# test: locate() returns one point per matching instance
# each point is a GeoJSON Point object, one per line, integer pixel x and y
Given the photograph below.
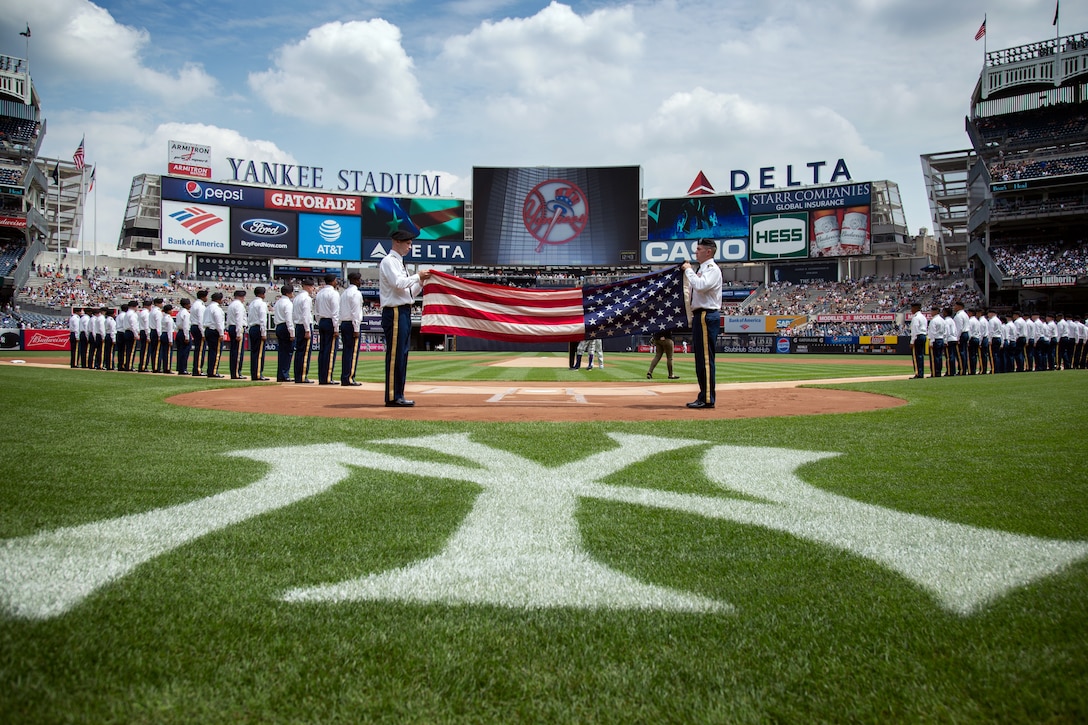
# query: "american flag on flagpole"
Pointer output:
{"type": "Point", "coordinates": [90, 188]}
{"type": "Point", "coordinates": [77, 157]}
{"type": "Point", "coordinates": [636, 306]}
{"type": "Point", "coordinates": [981, 30]}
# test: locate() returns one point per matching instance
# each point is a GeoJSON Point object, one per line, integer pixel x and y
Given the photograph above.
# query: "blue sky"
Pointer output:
{"type": "Point", "coordinates": [439, 87]}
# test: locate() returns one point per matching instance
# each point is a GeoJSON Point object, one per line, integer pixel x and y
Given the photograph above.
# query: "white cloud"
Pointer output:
{"type": "Point", "coordinates": [80, 41]}
{"type": "Point", "coordinates": [718, 132]}
{"type": "Point", "coordinates": [554, 56]}
{"type": "Point", "coordinates": [351, 74]}
{"type": "Point", "coordinates": [123, 144]}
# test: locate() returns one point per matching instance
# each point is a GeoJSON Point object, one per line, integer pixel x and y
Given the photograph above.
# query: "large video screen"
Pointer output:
{"type": "Point", "coordinates": [427, 219]}
{"type": "Point", "coordinates": [555, 216]}
{"type": "Point", "coordinates": [696, 217]}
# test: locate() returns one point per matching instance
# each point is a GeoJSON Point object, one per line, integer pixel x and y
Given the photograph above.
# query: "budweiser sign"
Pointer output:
{"type": "Point", "coordinates": [45, 340]}
{"type": "Point", "coordinates": [13, 222]}
{"type": "Point", "coordinates": [300, 201]}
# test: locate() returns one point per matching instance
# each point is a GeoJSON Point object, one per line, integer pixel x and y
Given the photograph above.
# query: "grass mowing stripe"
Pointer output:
{"type": "Point", "coordinates": [817, 634]}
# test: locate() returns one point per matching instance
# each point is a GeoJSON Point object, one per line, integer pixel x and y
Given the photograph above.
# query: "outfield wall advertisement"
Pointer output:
{"type": "Point", "coordinates": [254, 222]}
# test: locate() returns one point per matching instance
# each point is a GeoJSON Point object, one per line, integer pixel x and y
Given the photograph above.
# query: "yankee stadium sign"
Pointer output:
{"type": "Point", "coordinates": [312, 177]}
{"type": "Point", "coordinates": [520, 546]}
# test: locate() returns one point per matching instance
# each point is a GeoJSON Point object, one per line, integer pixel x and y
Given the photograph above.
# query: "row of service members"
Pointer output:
{"type": "Point", "coordinates": [103, 338]}
{"type": "Point", "coordinates": [973, 342]}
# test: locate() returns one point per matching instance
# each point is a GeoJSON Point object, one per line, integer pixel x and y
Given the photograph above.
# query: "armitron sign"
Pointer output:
{"type": "Point", "coordinates": [189, 159]}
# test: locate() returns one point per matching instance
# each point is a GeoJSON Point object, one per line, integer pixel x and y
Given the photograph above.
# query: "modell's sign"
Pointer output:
{"type": "Point", "coordinates": [189, 159]}
{"type": "Point", "coordinates": [872, 317]}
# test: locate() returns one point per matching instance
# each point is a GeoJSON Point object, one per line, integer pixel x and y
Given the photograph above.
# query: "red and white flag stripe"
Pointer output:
{"type": "Point", "coordinates": [457, 306]}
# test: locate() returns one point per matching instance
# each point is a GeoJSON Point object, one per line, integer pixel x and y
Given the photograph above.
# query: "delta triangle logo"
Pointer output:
{"type": "Point", "coordinates": [701, 186]}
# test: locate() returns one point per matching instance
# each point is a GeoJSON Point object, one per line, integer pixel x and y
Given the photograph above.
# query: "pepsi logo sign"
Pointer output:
{"type": "Point", "coordinates": [196, 190]}
{"type": "Point", "coordinates": [264, 227]}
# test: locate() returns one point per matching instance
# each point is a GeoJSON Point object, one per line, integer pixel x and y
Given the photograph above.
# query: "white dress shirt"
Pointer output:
{"type": "Point", "coordinates": [395, 286]}
{"type": "Point", "coordinates": [258, 315]}
{"type": "Point", "coordinates": [154, 320]}
{"type": "Point", "coordinates": [327, 304]}
{"type": "Point", "coordinates": [351, 307]}
{"type": "Point", "coordinates": [302, 310]}
{"type": "Point", "coordinates": [196, 314]}
{"type": "Point", "coordinates": [918, 325]}
{"type": "Point", "coordinates": [236, 313]}
{"type": "Point", "coordinates": [183, 321]}
{"type": "Point", "coordinates": [282, 312]}
{"type": "Point", "coordinates": [167, 327]}
{"type": "Point", "coordinates": [214, 318]}
{"type": "Point", "coordinates": [706, 286]}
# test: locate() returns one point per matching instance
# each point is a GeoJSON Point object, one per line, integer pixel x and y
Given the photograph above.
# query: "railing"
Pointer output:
{"type": "Point", "coordinates": [1049, 61]}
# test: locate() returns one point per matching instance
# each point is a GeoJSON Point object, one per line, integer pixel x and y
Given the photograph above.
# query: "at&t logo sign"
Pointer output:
{"type": "Point", "coordinates": [555, 212]}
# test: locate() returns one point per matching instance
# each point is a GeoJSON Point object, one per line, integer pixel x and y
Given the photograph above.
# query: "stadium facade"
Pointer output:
{"type": "Point", "coordinates": [24, 187]}
{"type": "Point", "coordinates": [1013, 207]}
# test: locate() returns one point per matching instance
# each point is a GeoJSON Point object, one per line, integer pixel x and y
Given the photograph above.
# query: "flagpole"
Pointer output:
{"type": "Point", "coordinates": [1057, 45]}
{"type": "Point", "coordinates": [81, 204]}
{"type": "Point", "coordinates": [95, 228]}
{"type": "Point", "coordinates": [57, 215]}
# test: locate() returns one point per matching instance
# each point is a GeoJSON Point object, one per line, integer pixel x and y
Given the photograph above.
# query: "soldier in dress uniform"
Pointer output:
{"type": "Point", "coordinates": [257, 320]}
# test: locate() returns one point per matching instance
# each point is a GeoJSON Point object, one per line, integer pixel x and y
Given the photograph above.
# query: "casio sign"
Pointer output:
{"type": "Point", "coordinates": [779, 235]}
{"type": "Point", "coordinates": [264, 227]}
{"type": "Point", "coordinates": [676, 251]}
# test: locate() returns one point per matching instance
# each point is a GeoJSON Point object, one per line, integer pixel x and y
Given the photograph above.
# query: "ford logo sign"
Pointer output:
{"type": "Point", "coordinates": [264, 227]}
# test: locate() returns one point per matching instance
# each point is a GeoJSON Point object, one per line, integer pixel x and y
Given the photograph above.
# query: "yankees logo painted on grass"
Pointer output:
{"type": "Point", "coordinates": [520, 546]}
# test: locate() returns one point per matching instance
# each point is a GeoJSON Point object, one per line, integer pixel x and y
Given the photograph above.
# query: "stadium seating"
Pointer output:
{"type": "Point", "coordinates": [18, 130]}
{"type": "Point", "coordinates": [1029, 128]}
{"type": "Point", "coordinates": [1041, 259]}
{"type": "Point", "coordinates": [9, 258]}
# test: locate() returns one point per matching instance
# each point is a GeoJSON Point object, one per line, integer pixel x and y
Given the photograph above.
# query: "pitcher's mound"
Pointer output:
{"type": "Point", "coordinates": [548, 402]}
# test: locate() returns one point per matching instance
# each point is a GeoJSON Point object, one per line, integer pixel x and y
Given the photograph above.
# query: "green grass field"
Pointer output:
{"type": "Point", "coordinates": [926, 563]}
